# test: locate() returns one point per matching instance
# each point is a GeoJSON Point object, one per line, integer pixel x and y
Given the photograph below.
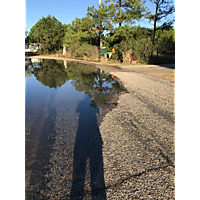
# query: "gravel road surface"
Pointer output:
{"type": "Point", "coordinates": [138, 140]}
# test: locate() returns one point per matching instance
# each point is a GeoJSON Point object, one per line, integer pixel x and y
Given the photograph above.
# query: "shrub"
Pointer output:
{"type": "Point", "coordinates": [84, 51]}
{"type": "Point", "coordinates": [90, 52]}
{"type": "Point", "coordinates": [59, 52]}
{"type": "Point", "coordinates": [142, 49]}
{"type": "Point", "coordinates": [74, 49]}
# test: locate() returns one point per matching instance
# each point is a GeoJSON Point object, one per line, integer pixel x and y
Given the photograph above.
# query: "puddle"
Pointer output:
{"type": "Point", "coordinates": [65, 102]}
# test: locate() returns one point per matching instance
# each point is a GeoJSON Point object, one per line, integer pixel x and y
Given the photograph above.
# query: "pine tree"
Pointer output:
{"type": "Point", "coordinates": [100, 19]}
{"type": "Point", "coordinates": [163, 9]}
{"type": "Point", "coordinates": [126, 11]}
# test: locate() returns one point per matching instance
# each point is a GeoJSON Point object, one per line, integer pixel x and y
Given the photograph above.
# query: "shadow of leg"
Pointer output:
{"type": "Point", "coordinates": [96, 168]}
{"type": "Point", "coordinates": [79, 170]}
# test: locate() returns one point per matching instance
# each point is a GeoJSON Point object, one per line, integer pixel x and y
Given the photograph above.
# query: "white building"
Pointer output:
{"type": "Point", "coordinates": [33, 47]}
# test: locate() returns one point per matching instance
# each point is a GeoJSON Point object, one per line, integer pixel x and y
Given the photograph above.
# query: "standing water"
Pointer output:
{"type": "Point", "coordinates": [64, 105]}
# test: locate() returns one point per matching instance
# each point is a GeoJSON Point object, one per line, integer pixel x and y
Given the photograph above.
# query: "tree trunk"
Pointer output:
{"type": "Point", "coordinates": [154, 31]}
{"type": "Point", "coordinates": [100, 34]}
{"type": "Point", "coordinates": [120, 5]}
{"type": "Point", "coordinates": [155, 20]}
{"type": "Point", "coordinates": [90, 36]}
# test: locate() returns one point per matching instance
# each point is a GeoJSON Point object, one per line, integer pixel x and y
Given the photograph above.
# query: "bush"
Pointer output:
{"type": "Point", "coordinates": [90, 52]}
{"type": "Point", "coordinates": [59, 52]}
{"type": "Point", "coordinates": [84, 51]}
{"type": "Point", "coordinates": [142, 49]}
{"type": "Point", "coordinates": [74, 49]}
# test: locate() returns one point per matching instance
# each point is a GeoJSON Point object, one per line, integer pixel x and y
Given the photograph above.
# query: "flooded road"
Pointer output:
{"type": "Point", "coordinates": [65, 102]}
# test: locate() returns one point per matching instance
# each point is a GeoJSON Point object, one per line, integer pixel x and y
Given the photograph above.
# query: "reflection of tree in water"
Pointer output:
{"type": "Point", "coordinates": [28, 68]}
{"type": "Point", "coordinates": [50, 73]}
{"type": "Point", "coordinates": [85, 78]}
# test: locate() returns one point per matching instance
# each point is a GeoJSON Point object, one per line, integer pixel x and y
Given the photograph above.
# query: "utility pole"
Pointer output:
{"type": "Point", "coordinates": [100, 29]}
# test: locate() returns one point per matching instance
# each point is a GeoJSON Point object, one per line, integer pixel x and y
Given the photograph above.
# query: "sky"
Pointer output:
{"type": "Point", "coordinates": [66, 10]}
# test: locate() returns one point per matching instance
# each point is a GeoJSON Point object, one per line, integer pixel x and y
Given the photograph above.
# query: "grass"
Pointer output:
{"type": "Point", "coordinates": [169, 75]}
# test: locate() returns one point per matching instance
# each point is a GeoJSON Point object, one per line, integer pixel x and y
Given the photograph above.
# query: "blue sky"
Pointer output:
{"type": "Point", "coordinates": [65, 10]}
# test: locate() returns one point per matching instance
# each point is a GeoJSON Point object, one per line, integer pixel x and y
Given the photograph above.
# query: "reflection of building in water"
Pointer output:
{"type": "Point", "coordinates": [36, 60]}
{"type": "Point", "coordinates": [65, 64]}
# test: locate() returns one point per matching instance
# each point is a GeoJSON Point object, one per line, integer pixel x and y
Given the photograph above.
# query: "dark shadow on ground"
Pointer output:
{"type": "Point", "coordinates": [88, 147]}
{"type": "Point", "coordinates": [162, 61]}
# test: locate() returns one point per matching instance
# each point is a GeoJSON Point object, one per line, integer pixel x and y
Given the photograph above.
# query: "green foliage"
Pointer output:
{"type": "Point", "coordinates": [142, 49]}
{"type": "Point", "coordinates": [78, 49]}
{"type": "Point", "coordinates": [126, 11]}
{"type": "Point", "coordinates": [127, 37]}
{"type": "Point", "coordinates": [79, 32]}
{"type": "Point", "coordinates": [78, 38]}
{"type": "Point", "coordinates": [50, 73]}
{"type": "Point", "coordinates": [49, 32]}
{"type": "Point", "coordinates": [84, 51]}
{"type": "Point", "coordinates": [163, 9]}
{"type": "Point", "coordinates": [100, 18]}
{"type": "Point", "coordinates": [164, 41]}
{"type": "Point", "coordinates": [89, 52]}
{"type": "Point", "coordinates": [83, 36]}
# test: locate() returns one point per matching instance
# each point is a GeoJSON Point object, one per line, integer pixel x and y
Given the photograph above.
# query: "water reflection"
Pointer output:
{"type": "Point", "coordinates": [98, 85]}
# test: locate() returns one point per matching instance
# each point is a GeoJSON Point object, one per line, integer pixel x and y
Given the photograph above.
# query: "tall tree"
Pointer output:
{"type": "Point", "coordinates": [49, 32]}
{"type": "Point", "coordinates": [126, 11]}
{"type": "Point", "coordinates": [79, 32]}
{"type": "Point", "coordinates": [163, 9]}
{"type": "Point", "coordinates": [84, 29]}
{"type": "Point", "coordinates": [100, 18]}
{"type": "Point", "coordinates": [88, 34]}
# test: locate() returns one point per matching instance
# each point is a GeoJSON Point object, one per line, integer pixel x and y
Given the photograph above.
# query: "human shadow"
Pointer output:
{"type": "Point", "coordinates": [88, 147]}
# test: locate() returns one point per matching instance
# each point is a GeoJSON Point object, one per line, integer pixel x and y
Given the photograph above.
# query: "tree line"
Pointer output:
{"type": "Point", "coordinates": [111, 25]}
